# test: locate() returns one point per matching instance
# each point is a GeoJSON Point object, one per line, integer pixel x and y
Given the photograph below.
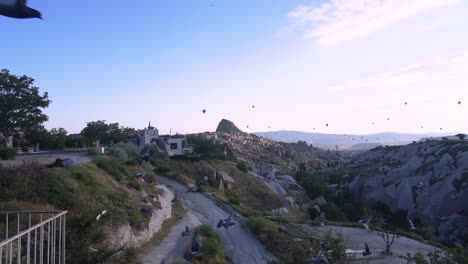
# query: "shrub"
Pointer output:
{"type": "Point", "coordinates": [95, 151]}
{"type": "Point", "coordinates": [234, 201]}
{"type": "Point", "coordinates": [211, 247]}
{"type": "Point", "coordinates": [163, 170]}
{"type": "Point", "coordinates": [206, 231]}
{"type": "Point", "coordinates": [111, 166]}
{"type": "Point", "coordinates": [242, 166]}
{"type": "Point", "coordinates": [428, 233]}
{"type": "Point", "coordinates": [25, 149]}
{"type": "Point", "coordinates": [333, 212]}
{"type": "Point", "coordinates": [119, 154]}
{"type": "Point", "coordinates": [7, 153]}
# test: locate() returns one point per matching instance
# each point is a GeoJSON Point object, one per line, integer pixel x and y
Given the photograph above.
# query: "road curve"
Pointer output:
{"type": "Point", "coordinates": [239, 245]}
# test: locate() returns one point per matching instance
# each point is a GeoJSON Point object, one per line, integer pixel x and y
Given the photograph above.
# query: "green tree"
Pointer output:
{"type": "Point", "coordinates": [95, 131]}
{"type": "Point", "coordinates": [58, 137]}
{"type": "Point", "coordinates": [460, 136]}
{"type": "Point", "coordinates": [21, 103]}
{"type": "Point", "coordinates": [98, 132]}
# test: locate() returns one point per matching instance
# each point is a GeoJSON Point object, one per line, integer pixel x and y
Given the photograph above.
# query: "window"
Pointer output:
{"type": "Point", "coordinates": [174, 146]}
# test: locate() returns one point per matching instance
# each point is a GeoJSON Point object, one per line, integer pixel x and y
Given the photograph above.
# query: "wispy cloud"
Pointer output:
{"type": "Point", "coordinates": [426, 79]}
{"type": "Point", "coordinates": [336, 21]}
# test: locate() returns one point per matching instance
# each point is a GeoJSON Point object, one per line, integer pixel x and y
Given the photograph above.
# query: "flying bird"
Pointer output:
{"type": "Point", "coordinates": [204, 111]}
{"type": "Point", "coordinates": [253, 106]}
{"type": "Point", "coordinates": [406, 103]}
{"type": "Point", "coordinates": [365, 222]}
{"type": "Point", "coordinates": [326, 125]}
{"type": "Point", "coordinates": [226, 223]}
{"type": "Point", "coordinates": [459, 102]}
{"type": "Point", "coordinates": [192, 251]}
{"type": "Point", "coordinates": [366, 251]}
{"type": "Point", "coordinates": [411, 225]}
{"type": "Point", "coordinates": [18, 9]}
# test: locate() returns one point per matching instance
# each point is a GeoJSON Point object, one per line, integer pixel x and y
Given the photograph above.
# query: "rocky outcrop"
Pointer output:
{"type": "Point", "coordinates": [128, 237]}
{"type": "Point", "coordinates": [227, 126]}
{"type": "Point", "coordinates": [429, 180]}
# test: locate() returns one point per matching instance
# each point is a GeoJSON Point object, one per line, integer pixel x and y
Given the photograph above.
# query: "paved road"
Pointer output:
{"type": "Point", "coordinates": [239, 245]}
{"type": "Point", "coordinates": [173, 246]}
{"type": "Point", "coordinates": [48, 157]}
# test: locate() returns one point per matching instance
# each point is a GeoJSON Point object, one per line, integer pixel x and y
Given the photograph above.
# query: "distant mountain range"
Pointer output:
{"type": "Point", "coordinates": [345, 141]}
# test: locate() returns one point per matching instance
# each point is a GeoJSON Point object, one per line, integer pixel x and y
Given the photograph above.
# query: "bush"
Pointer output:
{"type": "Point", "coordinates": [428, 233]}
{"type": "Point", "coordinates": [206, 231]}
{"type": "Point", "coordinates": [163, 170]}
{"type": "Point", "coordinates": [119, 154]}
{"type": "Point", "coordinates": [242, 166]}
{"type": "Point", "coordinates": [234, 201]}
{"type": "Point", "coordinates": [7, 153]}
{"type": "Point", "coordinates": [111, 166]}
{"type": "Point", "coordinates": [24, 149]}
{"type": "Point", "coordinates": [211, 247]}
{"type": "Point", "coordinates": [333, 212]}
{"type": "Point", "coordinates": [95, 151]}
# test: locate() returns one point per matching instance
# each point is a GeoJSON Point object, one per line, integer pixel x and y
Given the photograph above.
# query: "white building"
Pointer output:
{"type": "Point", "coordinates": [147, 136]}
{"type": "Point", "coordinates": [177, 146]}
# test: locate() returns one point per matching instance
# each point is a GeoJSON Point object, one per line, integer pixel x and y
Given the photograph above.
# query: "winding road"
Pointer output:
{"type": "Point", "coordinates": [240, 246]}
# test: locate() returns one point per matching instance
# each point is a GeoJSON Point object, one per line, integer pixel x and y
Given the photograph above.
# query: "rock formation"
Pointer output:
{"type": "Point", "coordinates": [227, 126]}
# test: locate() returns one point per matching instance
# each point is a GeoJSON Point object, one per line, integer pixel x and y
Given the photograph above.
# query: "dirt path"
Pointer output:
{"type": "Point", "coordinates": [356, 237]}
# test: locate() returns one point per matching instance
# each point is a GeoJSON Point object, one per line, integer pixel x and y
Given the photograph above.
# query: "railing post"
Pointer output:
{"type": "Point", "coordinates": [12, 248]}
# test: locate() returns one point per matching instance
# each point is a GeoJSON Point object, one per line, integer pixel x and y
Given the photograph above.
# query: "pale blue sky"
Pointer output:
{"type": "Point", "coordinates": [301, 63]}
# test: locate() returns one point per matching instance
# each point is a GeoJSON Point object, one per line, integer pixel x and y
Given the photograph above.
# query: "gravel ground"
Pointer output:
{"type": "Point", "coordinates": [356, 237]}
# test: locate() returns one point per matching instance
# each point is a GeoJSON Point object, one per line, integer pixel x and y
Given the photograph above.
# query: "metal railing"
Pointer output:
{"type": "Point", "coordinates": [32, 237]}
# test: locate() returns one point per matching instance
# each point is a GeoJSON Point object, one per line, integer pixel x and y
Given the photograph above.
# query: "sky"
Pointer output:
{"type": "Point", "coordinates": [301, 64]}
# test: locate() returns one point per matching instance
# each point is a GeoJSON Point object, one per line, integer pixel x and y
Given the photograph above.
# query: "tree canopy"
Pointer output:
{"type": "Point", "coordinates": [21, 103]}
{"type": "Point", "coordinates": [100, 131]}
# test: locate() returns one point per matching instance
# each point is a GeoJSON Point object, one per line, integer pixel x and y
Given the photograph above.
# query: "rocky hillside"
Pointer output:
{"type": "Point", "coordinates": [274, 163]}
{"type": "Point", "coordinates": [428, 180]}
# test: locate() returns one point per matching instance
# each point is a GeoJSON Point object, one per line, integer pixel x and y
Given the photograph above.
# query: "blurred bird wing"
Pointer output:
{"type": "Point", "coordinates": [9, 3]}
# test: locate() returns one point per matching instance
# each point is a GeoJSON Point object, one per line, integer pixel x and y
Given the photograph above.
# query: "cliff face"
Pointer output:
{"type": "Point", "coordinates": [128, 237]}
{"type": "Point", "coordinates": [428, 180]}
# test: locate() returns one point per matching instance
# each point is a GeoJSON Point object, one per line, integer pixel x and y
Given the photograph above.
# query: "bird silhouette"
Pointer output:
{"type": "Point", "coordinates": [366, 251]}
{"type": "Point", "coordinates": [204, 111]}
{"type": "Point", "coordinates": [226, 223]}
{"type": "Point", "coordinates": [186, 232]}
{"type": "Point", "coordinates": [18, 9]}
